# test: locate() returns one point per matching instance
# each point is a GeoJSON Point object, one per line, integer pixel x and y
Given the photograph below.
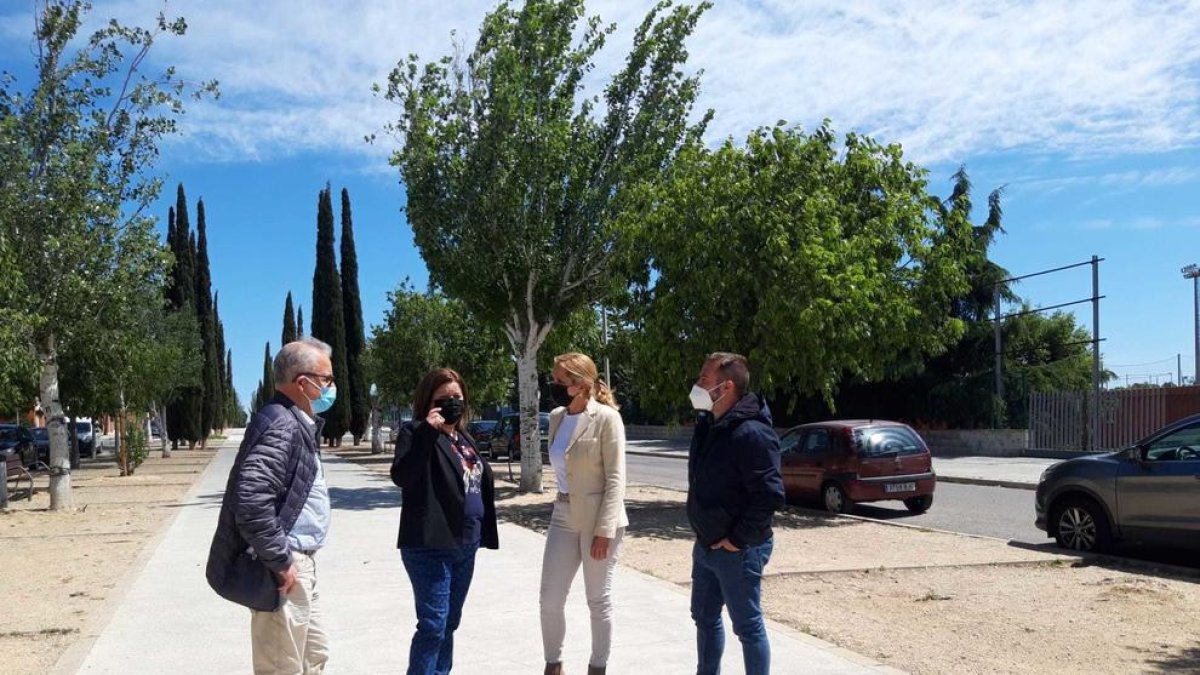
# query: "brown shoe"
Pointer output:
{"type": "Point", "coordinates": [554, 669]}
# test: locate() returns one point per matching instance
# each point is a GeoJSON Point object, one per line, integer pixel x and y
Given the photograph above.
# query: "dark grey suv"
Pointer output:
{"type": "Point", "coordinates": [1149, 493]}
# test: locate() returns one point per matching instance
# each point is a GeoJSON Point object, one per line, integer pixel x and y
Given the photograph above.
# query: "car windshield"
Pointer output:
{"type": "Point", "coordinates": [8, 434]}
{"type": "Point", "coordinates": [887, 441]}
{"type": "Point", "coordinates": [39, 433]}
{"type": "Point", "coordinates": [83, 427]}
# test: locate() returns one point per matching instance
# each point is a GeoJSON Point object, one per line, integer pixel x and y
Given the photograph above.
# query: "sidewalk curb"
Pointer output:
{"type": "Point", "coordinates": [987, 482]}
{"type": "Point", "coordinates": [74, 656]}
{"type": "Point", "coordinates": [942, 478]}
{"type": "Point", "coordinates": [647, 453]}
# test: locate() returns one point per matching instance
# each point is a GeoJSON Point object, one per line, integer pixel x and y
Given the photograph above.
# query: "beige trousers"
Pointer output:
{"type": "Point", "coordinates": [291, 640]}
{"type": "Point", "coordinates": [567, 550]}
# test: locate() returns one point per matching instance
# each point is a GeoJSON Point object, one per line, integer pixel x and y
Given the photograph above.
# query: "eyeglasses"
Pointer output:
{"type": "Point", "coordinates": [324, 380]}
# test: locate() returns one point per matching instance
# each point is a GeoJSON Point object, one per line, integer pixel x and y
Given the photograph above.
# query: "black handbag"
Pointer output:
{"type": "Point", "coordinates": [250, 583]}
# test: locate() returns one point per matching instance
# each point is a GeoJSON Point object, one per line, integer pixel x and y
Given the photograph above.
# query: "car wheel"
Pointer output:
{"type": "Point", "coordinates": [1081, 525]}
{"type": "Point", "coordinates": [834, 499]}
{"type": "Point", "coordinates": [919, 504]}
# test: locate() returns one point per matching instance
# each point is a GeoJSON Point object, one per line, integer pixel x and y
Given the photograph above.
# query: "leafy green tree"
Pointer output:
{"type": "Point", "coordinates": [957, 388]}
{"type": "Point", "coordinates": [356, 343]}
{"type": "Point", "coordinates": [18, 362]}
{"type": "Point", "coordinates": [77, 146]}
{"type": "Point", "coordinates": [422, 331]}
{"type": "Point", "coordinates": [328, 319]}
{"type": "Point", "coordinates": [815, 258]}
{"type": "Point", "coordinates": [516, 179]}
{"type": "Point", "coordinates": [289, 321]}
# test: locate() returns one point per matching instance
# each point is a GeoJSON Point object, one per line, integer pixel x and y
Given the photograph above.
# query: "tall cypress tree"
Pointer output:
{"type": "Point", "coordinates": [289, 321]}
{"type": "Point", "coordinates": [299, 321]}
{"type": "Point", "coordinates": [220, 421]}
{"type": "Point", "coordinates": [183, 416]}
{"type": "Point", "coordinates": [356, 342]}
{"type": "Point", "coordinates": [328, 321]}
{"type": "Point", "coordinates": [206, 319]}
{"type": "Point", "coordinates": [267, 388]}
{"type": "Point", "coordinates": [230, 395]}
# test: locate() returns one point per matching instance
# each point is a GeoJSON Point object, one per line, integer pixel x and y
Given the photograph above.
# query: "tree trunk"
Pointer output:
{"type": "Point", "coordinates": [60, 453]}
{"type": "Point", "coordinates": [376, 431]}
{"type": "Point", "coordinates": [531, 442]}
{"type": "Point", "coordinates": [160, 416]}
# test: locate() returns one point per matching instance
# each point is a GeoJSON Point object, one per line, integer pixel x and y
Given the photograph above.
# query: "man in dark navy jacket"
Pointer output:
{"type": "Point", "coordinates": [275, 517]}
{"type": "Point", "coordinates": [734, 489]}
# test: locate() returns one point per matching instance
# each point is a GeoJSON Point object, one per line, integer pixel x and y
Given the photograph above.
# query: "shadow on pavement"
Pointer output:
{"type": "Point", "coordinates": [1186, 661]}
{"type": "Point", "coordinates": [1164, 563]}
{"type": "Point", "coordinates": [664, 519]}
{"type": "Point", "coordinates": [364, 498]}
{"type": "Point", "coordinates": [883, 513]}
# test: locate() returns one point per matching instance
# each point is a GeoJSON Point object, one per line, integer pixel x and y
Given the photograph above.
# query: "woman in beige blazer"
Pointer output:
{"type": "Point", "coordinates": [587, 453]}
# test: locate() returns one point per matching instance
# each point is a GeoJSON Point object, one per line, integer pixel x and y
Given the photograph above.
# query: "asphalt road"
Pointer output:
{"type": "Point", "coordinates": [1004, 513]}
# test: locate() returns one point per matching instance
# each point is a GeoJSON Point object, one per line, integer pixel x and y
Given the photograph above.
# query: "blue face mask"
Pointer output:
{"type": "Point", "coordinates": [325, 401]}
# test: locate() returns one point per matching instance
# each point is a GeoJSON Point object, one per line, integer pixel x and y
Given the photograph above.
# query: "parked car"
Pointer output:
{"type": "Point", "coordinates": [87, 435]}
{"type": "Point", "coordinates": [481, 431]}
{"type": "Point", "coordinates": [41, 439]}
{"type": "Point", "coordinates": [508, 436]}
{"type": "Point", "coordinates": [1148, 493]}
{"type": "Point", "coordinates": [16, 440]}
{"type": "Point", "coordinates": [845, 462]}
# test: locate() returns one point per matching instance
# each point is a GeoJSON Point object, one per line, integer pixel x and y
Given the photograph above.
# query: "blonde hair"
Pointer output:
{"type": "Point", "coordinates": [582, 370]}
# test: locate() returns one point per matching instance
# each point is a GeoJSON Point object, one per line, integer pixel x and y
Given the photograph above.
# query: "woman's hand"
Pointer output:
{"type": "Point", "coordinates": [434, 418]}
{"type": "Point", "coordinates": [600, 547]}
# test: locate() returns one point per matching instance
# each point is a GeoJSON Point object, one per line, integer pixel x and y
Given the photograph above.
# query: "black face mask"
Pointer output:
{"type": "Point", "coordinates": [452, 409]}
{"type": "Point", "coordinates": [558, 392]}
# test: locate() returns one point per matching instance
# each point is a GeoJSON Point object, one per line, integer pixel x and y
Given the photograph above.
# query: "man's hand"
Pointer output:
{"type": "Point", "coordinates": [724, 543]}
{"type": "Point", "coordinates": [287, 579]}
{"type": "Point", "coordinates": [600, 547]}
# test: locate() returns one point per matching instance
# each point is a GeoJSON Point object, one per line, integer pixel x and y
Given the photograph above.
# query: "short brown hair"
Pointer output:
{"type": "Point", "coordinates": [423, 399]}
{"type": "Point", "coordinates": [733, 367]}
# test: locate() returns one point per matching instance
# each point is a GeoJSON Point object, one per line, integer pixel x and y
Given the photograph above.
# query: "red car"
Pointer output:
{"type": "Point", "coordinates": [844, 462]}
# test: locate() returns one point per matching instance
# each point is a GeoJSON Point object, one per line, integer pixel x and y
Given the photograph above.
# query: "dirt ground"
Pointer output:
{"type": "Point", "coordinates": [926, 601]}
{"type": "Point", "coordinates": [59, 568]}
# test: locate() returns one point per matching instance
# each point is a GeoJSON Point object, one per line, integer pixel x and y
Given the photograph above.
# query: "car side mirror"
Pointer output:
{"type": "Point", "coordinates": [1138, 454]}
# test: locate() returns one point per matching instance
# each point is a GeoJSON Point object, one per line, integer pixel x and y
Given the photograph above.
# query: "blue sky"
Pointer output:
{"type": "Point", "coordinates": [1088, 113]}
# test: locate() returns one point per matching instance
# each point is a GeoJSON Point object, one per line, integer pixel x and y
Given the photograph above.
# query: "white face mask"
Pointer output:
{"type": "Point", "coordinates": [700, 398]}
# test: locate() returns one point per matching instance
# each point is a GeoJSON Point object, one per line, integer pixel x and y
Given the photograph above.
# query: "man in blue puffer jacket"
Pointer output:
{"type": "Point", "coordinates": [275, 516]}
{"type": "Point", "coordinates": [734, 489]}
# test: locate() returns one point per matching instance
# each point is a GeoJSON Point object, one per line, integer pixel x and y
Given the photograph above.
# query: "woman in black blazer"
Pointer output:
{"type": "Point", "coordinates": [449, 512]}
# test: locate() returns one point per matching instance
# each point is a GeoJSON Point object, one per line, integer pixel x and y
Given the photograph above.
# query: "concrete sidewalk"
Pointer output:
{"type": "Point", "coordinates": [1014, 472]}
{"type": "Point", "coordinates": [170, 621]}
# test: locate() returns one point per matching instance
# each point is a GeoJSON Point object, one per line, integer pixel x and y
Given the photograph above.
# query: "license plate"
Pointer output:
{"type": "Point", "coordinates": [900, 487]}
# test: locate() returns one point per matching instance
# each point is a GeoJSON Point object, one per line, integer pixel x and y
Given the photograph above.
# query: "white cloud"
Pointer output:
{"type": "Point", "coordinates": [949, 80]}
{"type": "Point", "coordinates": [1115, 181]}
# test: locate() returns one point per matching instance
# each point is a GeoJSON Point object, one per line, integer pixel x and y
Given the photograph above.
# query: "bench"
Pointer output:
{"type": "Point", "coordinates": [15, 472]}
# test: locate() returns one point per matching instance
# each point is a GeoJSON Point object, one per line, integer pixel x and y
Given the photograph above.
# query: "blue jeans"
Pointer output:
{"type": "Point", "coordinates": [733, 580]}
{"type": "Point", "coordinates": [440, 580]}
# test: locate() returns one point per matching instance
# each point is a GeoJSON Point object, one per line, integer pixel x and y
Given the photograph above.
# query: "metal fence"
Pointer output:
{"type": "Point", "coordinates": [1059, 420]}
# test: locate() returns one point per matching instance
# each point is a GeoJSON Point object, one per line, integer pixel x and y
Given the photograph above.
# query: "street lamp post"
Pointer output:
{"type": "Point", "coordinates": [1193, 272]}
